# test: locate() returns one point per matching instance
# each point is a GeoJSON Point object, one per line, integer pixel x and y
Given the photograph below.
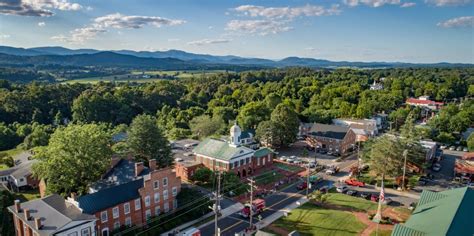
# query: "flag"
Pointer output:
{"type": "Point", "coordinates": [378, 216]}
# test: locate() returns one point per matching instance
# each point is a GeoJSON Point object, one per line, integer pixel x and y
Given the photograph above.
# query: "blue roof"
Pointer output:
{"type": "Point", "coordinates": [122, 172]}
{"type": "Point", "coordinates": [247, 133]}
{"type": "Point", "coordinates": [98, 201]}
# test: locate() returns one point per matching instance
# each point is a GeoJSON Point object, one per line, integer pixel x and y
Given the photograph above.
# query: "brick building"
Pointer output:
{"type": "Point", "coordinates": [333, 138]}
{"type": "Point", "coordinates": [228, 156]}
{"type": "Point", "coordinates": [129, 194]}
{"type": "Point", "coordinates": [51, 215]}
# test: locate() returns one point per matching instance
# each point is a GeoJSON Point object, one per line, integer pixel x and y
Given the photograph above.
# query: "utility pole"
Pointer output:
{"type": "Point", "coordinates": [307, 181]}
{"type": "Point", "coordinates": [217, 205]}
{"type": "Point", "coordinates": [358, 159]}
{"type": "Point", "coordinates": [405, 154]}
{"type": "Point", "coordinates": [251, 183]}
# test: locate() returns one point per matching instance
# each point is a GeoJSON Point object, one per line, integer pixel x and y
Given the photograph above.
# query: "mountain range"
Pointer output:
{"type": "Point", "coordinates": [174, 59]}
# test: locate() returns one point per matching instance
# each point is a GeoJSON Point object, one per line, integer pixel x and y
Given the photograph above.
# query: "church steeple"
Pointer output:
{"type": "Point", "coordinates": [235, 133]}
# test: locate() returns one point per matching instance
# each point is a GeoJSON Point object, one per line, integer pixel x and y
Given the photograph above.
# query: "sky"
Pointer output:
{"type": "Point", "coordinates": [343, 30]}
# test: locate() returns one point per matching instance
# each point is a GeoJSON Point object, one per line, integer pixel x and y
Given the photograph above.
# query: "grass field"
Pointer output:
{"type": "Point", "coordinates": [313, 220]}
{"type": "Point", "coordinates": [268, 177]}
{"type": "Point", "coordinates": [382, 233]}
{"type": "Point", "coordinates": [351, 202]}
{"type": "Point", "coordinates": [285, 167]}
{"type": "Point", "coordinates": [28, 195]}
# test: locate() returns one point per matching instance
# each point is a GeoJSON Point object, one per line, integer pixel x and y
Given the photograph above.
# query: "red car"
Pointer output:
{"type": "Point", "coordinates": [374, 198]}
{"type": "Point", "coordinates": [302, 186]}
{"type": "Point", "coordinates": [354, 182]}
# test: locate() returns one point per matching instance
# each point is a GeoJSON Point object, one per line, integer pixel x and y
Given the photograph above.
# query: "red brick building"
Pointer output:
{"type": "Point", "coordinates": [331, 138]}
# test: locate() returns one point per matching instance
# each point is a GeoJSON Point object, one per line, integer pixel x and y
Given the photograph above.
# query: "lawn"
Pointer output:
{"type": "Point", "coordinates": [310, 219]}
{"type": "Point", "coordinates": [286, 167]}
{"type": "Point", "coordinates": [268, 177]}
{"type": "Point", "coordinates": [12, 152]}
{"type": "Point", "coordinates": [382, 233]}
{"type": "Point", "coordinates": [352, 202]}
{"type": "Point", "coordinates": [27, 195]}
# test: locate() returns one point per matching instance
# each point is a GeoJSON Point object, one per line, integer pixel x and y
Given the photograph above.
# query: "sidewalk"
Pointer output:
{"type": "Point", "coordinates": [224, 212]}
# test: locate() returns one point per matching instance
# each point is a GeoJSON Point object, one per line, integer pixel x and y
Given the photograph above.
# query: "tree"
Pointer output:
{"type": "Point", "coordinates": [38, 137]}
{"type": "Point", "coordinates": [446, 138]}
{"type": "Point", "coordinates": [202, 175]}
{"type": "Point", "coordinates": [6, 220]}
{"type": "Point", "coordinates": [288, 123]}
{"type": "Point", "coordinates": [8, 137]}
{"type": "Point", "coordinates": [268, 132]}
{"type": "Point", "coordinates": [470, 142]}
{"type": "Point", "coordinates": [204, 126]}
{"type": "Point", "coordinates": [75, 157]}
{"type": "Point", "coordinates": [146, 141]}
{"type": "Point", "coordinates": [272, 100]}
{"type": "Point", "coordinates": [251, 114]}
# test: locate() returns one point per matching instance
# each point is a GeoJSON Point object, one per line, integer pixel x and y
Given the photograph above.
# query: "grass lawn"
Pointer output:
{"type": "Point", "coordinates": [350, 201]}
{"type": "Point", "coordinates": [12, 152]}
{"type": "Point", "coordinates": [27, 195]}
{"type": "Point", "coordinates": [382, 233]}
{"type": "Point", "coordinates": [268, 177]}
{"type": "Point", "coordinates": [289, 168]}
{"type": "Point", "coordinates": [313, 220]}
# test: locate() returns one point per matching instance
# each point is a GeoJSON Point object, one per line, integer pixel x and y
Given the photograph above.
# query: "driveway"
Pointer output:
{"type": "Point", "coordinates": [443, 178]}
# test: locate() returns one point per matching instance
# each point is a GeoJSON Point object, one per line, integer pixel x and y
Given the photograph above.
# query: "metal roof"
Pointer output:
{"type": "Point", "coordinates": [328, 131]}
{"type": "Point", "coordinates": [220, 149]}
{"type": "Point", "coordinates": [19, 171]}
{"type": "Point", "coordinates": [122, 172]}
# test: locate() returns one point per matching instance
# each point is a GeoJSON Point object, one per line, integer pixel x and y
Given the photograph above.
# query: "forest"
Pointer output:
{"type": "Point", "coordinates": [202, 106]}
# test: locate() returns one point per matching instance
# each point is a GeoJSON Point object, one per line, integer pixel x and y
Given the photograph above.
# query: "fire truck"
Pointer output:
{"type": "Point", "coordinates": [258, 205]}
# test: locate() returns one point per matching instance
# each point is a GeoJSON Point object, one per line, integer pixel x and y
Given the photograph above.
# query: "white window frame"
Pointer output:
{"type": "Point", "coordinates": [72, 234]}
{"type": "Point", "coordinates": [148, 214]}
{"type": "Point", "coordinates": [156, 184]}
{"type": "Point", "coordinates": [174, 191]}
{"type": "Point", "coordinates": [128, 221]}
{"type": "Point", "coordinates": [156, 197]}
{"type": "Point", "coordinates": [115, 212]}
{"type": "Point", "coordinates": [157, 210]}
{"type": "Point", "coordinates": [175, 203]}
{"type": "Point", "coordinates": [116, 225]}
{"type": "Point", "coordinates": [147, 201]}
{"type": "Point", "coordinates": [126, 208]}
{"type": "Point", "coordinates": [104, 217]}
{"type": "Point", "coordinates": [138, 204]}
{"type": "Point", "coordinates": [105, 230]}
{"type": "Point", "coordinates": [165, 194]}
{"type": "Point", "coordinates": [86, 231]}
{"type": "Point", "coordinates": [166, 207]}
{"type": "Point", "coordinates": [165, 182]}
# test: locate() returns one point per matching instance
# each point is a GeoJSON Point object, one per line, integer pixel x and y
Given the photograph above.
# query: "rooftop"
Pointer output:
{"type": "Point", "coordinates": [122, 172]}
{"type": "Point", "coordinates": [423, 101]}
{"type": "Point", "coordinates": [20, 170]}
{"type": "Point", "coordinates": [220, 149]}
{"type": "Point", "coordinates": [54, 212]}
{"type": "Point", "coordinates": [329, 131]}
{"type": "Point", "coordinates": [441, 213]}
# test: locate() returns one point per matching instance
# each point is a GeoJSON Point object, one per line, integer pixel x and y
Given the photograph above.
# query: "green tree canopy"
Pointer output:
{"type": "Point", "coordinates": [205, 126]}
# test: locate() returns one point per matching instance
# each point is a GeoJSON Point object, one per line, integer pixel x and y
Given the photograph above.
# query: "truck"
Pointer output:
{"type": "Point", "coordinates": [191, 232]}
{"type": "Point", "coordinates": [258, 205]}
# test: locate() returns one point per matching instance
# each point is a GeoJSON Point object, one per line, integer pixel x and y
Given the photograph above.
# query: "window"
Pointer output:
{"type": "Point", "coordinates": [165, 182]}
{"type": "Point", "coordinates": [242, 162]}
{"type": "Point", "coordinates": [175, 203]}
{"type": "Point", "coordinates": [166, 206]}
{"type": "Point", "coordinates": [156, 184]}
{"type": "Point", "coordinates": [128, 221]}
{"type": "Point", "coordinates": [157, 197]}
{"type": "Point", "coordinates": [236, 164]}
{"type": "Point", "coordinates": [115, 212]}
{"type": "Point", "coordinates": [86, 231]}
{"type": "Point", "coordinates": [116, 225]}
{"type": "Point", "coordinates": [175, 191]}
{"type": "Point", "coordinates": [105, 232]}
{"type": "Point", "coordinates": [247, 160]}
{"type": "Point", "coordinates": [148, 214]}
{"type": "Point", "coordinates": [72, 234]}
{"type": "Point", "coordinates": [165, 195]}
{"type": "Point", "coordinates": [137, 204]}
{"type": "Point", "coordinates": [231, 166]}
{"type": "Point", "coordinates": [157, 210]}
{"type": "Point", "coordinates": [258, 161]}
{"type": "Point", "coordinates": [147, 201]}
{"type": "Point", "coordinates": [126, 208]}
{"type": "Point", "coordinates": [103, 216]}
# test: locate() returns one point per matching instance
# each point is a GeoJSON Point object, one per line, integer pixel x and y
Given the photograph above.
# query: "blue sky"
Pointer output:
{"type": "Point", "coordinates": [353, 30]}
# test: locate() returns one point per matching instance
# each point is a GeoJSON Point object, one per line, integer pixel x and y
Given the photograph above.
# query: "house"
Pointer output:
{"type": "Point", "coordinates": [51, 215]}
{"type": "Point", "coordinates": [334, 138]}
{"type": "Point", "coordinates": [129, 194]}
{"type": "Point", "coordinates": [424, 102]}
{"type": "Point", "coordinates": [448, 212]}
{"type": "Point", "coordinates": [19, 177]}
{"type": "Point", "coordinates": [377, 86]}
{"type": "Point", "coordinates": [185, 164]}
{"type": "Point", "coordinates": [231, 155]}
{"type": "Point", "coordinates": [368, 125]}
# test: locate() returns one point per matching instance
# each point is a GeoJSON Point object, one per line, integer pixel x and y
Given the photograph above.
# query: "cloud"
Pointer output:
{"type": "Point", "coordinates": [287, 12]}
{"type": "Point", "coordinates": [174, 40]}
{"type": "Point", "coordinates": [408, 4]}
{"type": "Point", "coordinates": [208, 41]}
{"type": "Point", "coordinates": [311, 49]}
{"type": "Point", "coordinates": [4, 36]}
{"type": "Point", "coordinates": [443, 3]}
{"type": "Point", "coordinates": [371, 3]}
{"type": "Point", "coordinates": [261, 27]}
{"type": "Point", "coordinates": [459, 22]}
{"type": "Point", "coordinates": [37, 8]}
{"type": "Point", "coordinates": [41, 24]}
{"type": "Point", "coordinates": [116, 21]}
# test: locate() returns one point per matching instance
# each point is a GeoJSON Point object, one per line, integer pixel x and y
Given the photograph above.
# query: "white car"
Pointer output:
{"type": "Point", "coordinates": [297, 161]}
{"type": "Point", "coordinates": [342, 189]}
{"type": "Point", "coordinates": [436, 167]}
{"type": "Point", "coordinates": [282, 158]}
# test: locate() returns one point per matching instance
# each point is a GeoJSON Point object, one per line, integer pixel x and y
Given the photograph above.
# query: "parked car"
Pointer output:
{"type": "Point", "coordinates": [354, 182]}
{"type": "Point", "coordinates": [452, 148]}
{"type": "Point", "coordinates": [352, 192]}
{"type": "Point", "coordinates": [436, 167]}
{"type": "Point", "coordinates": [412, 206]}
{"type": "Point", "coordinates": [465, 149]}
{"type": "Point", "coordinates": [332, 170]}
{"type": "Point", "coordinates": [365, 195]}
{"type": "Point", "coordinates": [283, 158]}
{"type": "Point", "coordinates": [329, 153]}
{"type": "Point", "coordinates": [297, 161]}
{"type": "Point", "coordinates": [342, 189]}
{"type": "Point", "coordinates": [387, 201]}
{"type": "Point", "coordinates": [324, 189]}
{"type": "Point", "coordinates": [459, 148]}
{"type": "Point", "coordinates": [374, 198]}
{"type": "Point", "coordinates": [302, 186]}
{"type": "Point", "coordinates": [322, 151]}
{"type": "Point", "coordinates": [314, 179]}
{"type": "Point", "coordinates": [311, 164]}
{"type": "Point", "coordinates": [443, 146]}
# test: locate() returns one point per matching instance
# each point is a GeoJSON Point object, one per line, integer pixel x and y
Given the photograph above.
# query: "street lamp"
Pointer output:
{"type": "Point", "coordinates": [405, 154]}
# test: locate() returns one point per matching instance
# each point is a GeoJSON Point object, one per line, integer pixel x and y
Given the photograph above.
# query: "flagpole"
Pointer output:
{"type": "Point", "coordinates": [378, 216]}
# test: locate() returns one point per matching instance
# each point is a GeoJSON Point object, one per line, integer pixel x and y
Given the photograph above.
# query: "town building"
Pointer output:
{"type": "Point", "coordinates": [430, 147]}
{"type": "Point", "coordinates": [231, 155]}
{"type": "Point", "coordinates": [424, 102]}
{"type": "Point", "coordinates": [51, 215]}
{"type": "Point", "coordinates": [464, 168]}
{"type": "Point", "coordinates": [377, 86]}
{"type": "Point", "coordinates": [129, 194]}
{"type": "Point", "coordinates": [369, 126]}
{"type": "Point", "coordinates": [331, 138]}
{"type": "Point", "coordinates": [19, 177]}
{"type": "Point", "coordinates": [447, 212]}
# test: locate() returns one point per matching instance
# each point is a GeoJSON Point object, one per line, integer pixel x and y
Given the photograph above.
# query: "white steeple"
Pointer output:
{"type": "Point", "coordinates": [235, 132]}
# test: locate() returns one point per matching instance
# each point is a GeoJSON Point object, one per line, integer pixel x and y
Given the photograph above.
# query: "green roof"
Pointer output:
{"type": "Point", "coordinates": [262, 152]}
{"type": "Point", "coordinates": [448, 212]}
{"type": "Point", "coordinates": [220, 149]}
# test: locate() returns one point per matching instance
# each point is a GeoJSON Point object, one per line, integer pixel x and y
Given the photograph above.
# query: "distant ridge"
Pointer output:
{"type": "Point", "coordinates": [176, 59]}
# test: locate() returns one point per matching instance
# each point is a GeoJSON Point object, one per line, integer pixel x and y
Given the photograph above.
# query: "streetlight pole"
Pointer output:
{"type": "Point", "coordinates": [405, 154]}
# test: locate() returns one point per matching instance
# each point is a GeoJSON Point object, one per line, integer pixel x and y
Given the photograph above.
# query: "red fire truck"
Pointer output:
{"type": "Point", "coordinates": [258, 205]}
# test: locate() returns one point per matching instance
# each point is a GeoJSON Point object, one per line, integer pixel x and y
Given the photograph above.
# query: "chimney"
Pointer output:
{"type": "Point", "coordinates": [38, 223]}
{"type": "Point", "coordinates": [73, 196]}
{"type": "Point", "coordinates": [152, 164]}
{"type": "Point", "coordinates": [138, 168]}
{"type": "Point", "coordinates": [27, 214]}
{"type": "Point", "coordinates": [17, 206]}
